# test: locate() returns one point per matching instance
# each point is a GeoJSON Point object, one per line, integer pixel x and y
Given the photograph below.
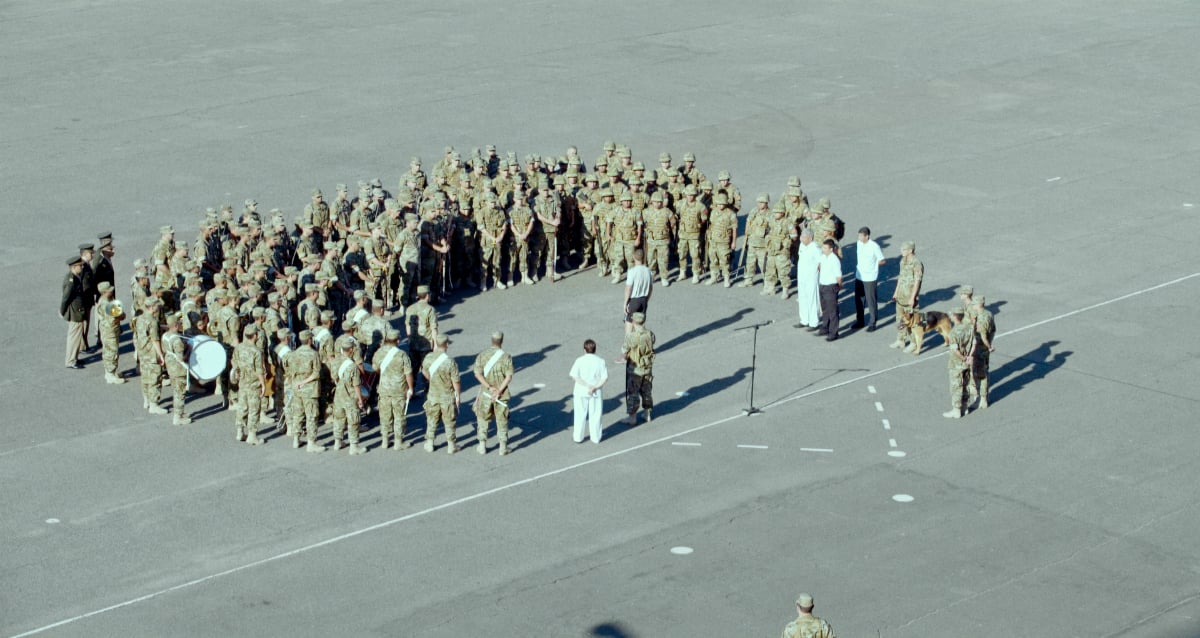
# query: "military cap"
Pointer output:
{"type": "Point", "coordinates": [793, 181]}
{"type": "Point", "coordinates": [347, 325]}
{"type": "Point", "coordinates": [823, 203]}
{"type": "Point", "coordinates": [706, 185]}
{"type": "Point", "coordinates": [559, 180]}
{"type": "Point", "coordinates": [908, 245]}
{"type": "Point", "coordinates": [690, 189]}
{"type": "Point", "coordinates": [591, 177]}
{"type": "Point", "coordinates": [794, 191]}
{"type": "Point", "coordinates": [310, 288]}
{"type": "Point", "coordinates": [448, 150]}
{"type": "Point", "coordinates": [490, 148]}
{"type": "Point", "coordinates": [443, 340]}
{"type": "Point", "coordinates": [533, 158]}
{"type": "Point", "coordinates": [613, 170]}
{"type": "Point", "coordinates": [74, 259]}
{"type": "Point", "coordinates": [689, 157]}
{"type": "Point", "coordinates": [638, 317]}
{"type": "Point", "coordinates": [166, 230]}
{"type": "Point", "coordinates": [378, 183]}
{"type": "Point", "coordinates": [288, 271]}
{"type": "Point", "coordinates": [626, 196]}
{"type": "Point", "coordinates": [257, 312]}
{"type": "Point", "coordinates": [406, 197]}
{"type": "Point", "coordinates": [391, 335]}
{"type": "Point", "coordinates": [601, 161]}
{"type": "Point", "coordinates": [172, 318]}
{"type": "Point", "coordinates": [721, 199]}
{"type": "Point", "coordinates": [804, 600]}
{"type": "Point", "coordinates": [326, 315]}
{"type": "Point", "coordinates": [330, 245]}
{"type": "Point", "coordinates": [378, 192]}
{"type": "Point", "coordinates": [657, 196]}
{"type": "Point", "coordinates": [723, 175]}
{"type": "Point", "coordinates": [664, 157]}
{"type": "Point", "coordinates": [252, 223]}
{"type": "Point", "coordinates": [610, 146]}
{"type": "Point", "coordinates": [965, 290]}
{"type": "Point", "coordinates": [194, 291]}
{"type": "Point", "coordinates": [350, 238]}
{"type": "Point", "coordinates": [606, 192]}
{"type": "Point", "coordinates": [341, 188]}
{"type": "Point", "coordinates": [317, 192]}
{"type": "Point", "coordinates": [250, 330]}
{"type": "Point", "coordinates": [465, 205]}
{"type": "Point", "coordinates": [104, 286]}
{"type": "Point", "coordinates": [638, 166]}
{"type": "Point", "coordinates": [958, 310]}
{"type": "Point", "coordinates": [272, 297]}
{"type": "Point", "coordinates": [87, 246]}
{"type": "Point", "coordinates": [422, 290]}
{"type": "Point", "coordinates": [376, 303]}
{"type": "Point", "coordinates": [978, 301]}
{"type": "Point", "coordinates": [251, 202]}
{"type": "Point", "coordinates": [624, 152]}
{"type": "Point", "coordinates": [360, 294]}
{"type": "Point", "coordinates": [391, 205]}
{"type": "Point", "coordinates": [151, 301]}
{"type": "Point", "coordinates": [635, 181]}
{"type": "Point", "coordinates": [218, 277]}
{"type": "Point", "coordinates": [306, 335]}
{"type": "Point", "coordinates": [415, 160]}
{"type": "Point", "coordinates": [228, 264]}
{"type": "Point", "coordinates": [103, 236]}
{"type": "Point", "coordinates": [762, 198]}
{"type": "Point", "coordinates": [498, 336]}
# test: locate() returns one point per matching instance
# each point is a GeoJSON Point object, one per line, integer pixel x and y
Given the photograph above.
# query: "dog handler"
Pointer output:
{"type": "Point", "coordinates": [908, 288]}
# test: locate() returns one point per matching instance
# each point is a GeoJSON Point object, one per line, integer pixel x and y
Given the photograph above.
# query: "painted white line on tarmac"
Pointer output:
{"type": "Point", "coordinates": [685, 444]}
{"type": "Point", "coordinates": [555, 472]}
{"type": "Point", "coordinates": [902, 498]}
{"type": "Point", "coordinates": [815, 449]}
{"type": "Point", "coordinates": [878, 407]}
{"type": "Point", "coordinates": [753, 447]}
{"type": "Point", "coordinates": [681, 550]}
{"type": "Point", "coordinates": [887, 425]}
{"type": "Point", "coordinates": [871, 389]}
{"type": "Point", "coordinates": [897, 454]}
{"type": "Point", "coordinates": [891, 442]}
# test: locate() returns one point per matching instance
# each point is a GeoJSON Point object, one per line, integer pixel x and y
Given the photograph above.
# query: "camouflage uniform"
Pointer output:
{"type": "Point", "coordinates": [639, 373]}
{"type": "Point", "coordinates": [394, 368]}
{"type": "Point", "coordinates": [757, 227]}
{"type": "Point", "coordinates": [692, 218]}
{"type": "Point", "coordinates": [985, 330]}
{"type": "Point", "coordinates": [658, 224]}
{"type": "Point", "coordinates": [145, 334]}
{"type": "Point", "coordinates": [248, 366]}
{"type": "Point", "coordinates": [422, 325]}
{"type": "Point", "coordinates": [441, 404]}
{"type": "Point", "coordinates": [488, 407]}
{"type": "Point", "coordinates": [781, 234]}
{"type": "Point", "coordinates": [110, 340]}
{"type": "Point", "coordinates": [808, 627]}
{"type": "Point", "coordinates": [962, 350]}
{"type": "Point", "coordinates": [301, 364]}
{"type": "Point", "coordinates": [521, 221]}
{"type": "Point", "coordinates": [908, 284]}
{"type": "Point", "coordinates": [174, 351]}
{"type": "Point", "coordinates": [346, 402]}
{"type": "Point", "coordinates": [626, 232]}
{"type": "Point", "coordinates": [722, 230]}
{"type": "Point", "coordinates": [491, 219]}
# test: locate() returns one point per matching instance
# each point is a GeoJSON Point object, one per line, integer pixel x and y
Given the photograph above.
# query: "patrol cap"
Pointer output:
{"type": "Point", "coordinates": [173, 318]}
{"type": "Point", "coordinates": [250, 330]}
{"type": "Point", "coordinates": [601, 161]}
{"type": "Point", "coordinates": [804, 600]}
{"type": "Point", "coordinates": [688, 190]}
{"type": "Point", "coordinates": [689, 157]}
{"type": "Point", "coordinates": [415, 161]}
{"type": "Point", "coordinates": [965, 290]}
{"type": "Point", "coordinates": [823, 203]}
{"type": "Point", "coordinates": [391, 335]}
{"type": "Point", "coordinates": [151, 301]}
{"type": "Point", "coordinates": [610, 146]}
{"type": "Point", "coordinates": [490, 148]}
{"type": "Point", "coordinates": [626, 196]}
{"type": "Point", "coordinates": [591, 177]}
{"type": "Point", "coordinates": [793, 181]}
{"type": "Point", "coordinates": [497, 336]}
{"type": "Point", "coordinates": [706, 185]}
{"type": "Point", "coordinates": [723, 176]}
{"type": "Point", "coordinates": [978, 301]}
{"type": "Point", "coordinates": [762, 198]}
{"type": "Point", "coordinates": [443, 340]}
{"type": "Point", "coordinates": [449, 149]}
{"type": "Point", "coordinates": [391, 205]}
{"type": "Point", "coordinates": [257, 312]}
{"type": "Point", "coordinates": [624, 152]}
{"type": "Point", "coordinates": [341, 188]}
{"type": "Point", "coordinates": [638, 166]}
{"type": "Point", "coordinates": [638, 317]}
{"type": "Point", "coordinates": [721, 199]}
{"type": "Point", "coordinates": [908, 245]}
{"type": "Point", "coordinates": [104, 286]}
{"type": "Point", "coordinates": [378, 192]}
{"type": "Point", "coordinates": [251, 202]}
{"type": "Point", "coordinates": [635, 181]}
{"type": "Point", "coordinates": [305, 335]}
{"type": "Point", "coordinates": [957, 310]}
{"type": "Point", "coordinates": [422, 290]}
{"type": "Point", "coordinates": [778, 208]}
{"type": "Point", "coordinates": [360, 294]}
{"type": "Point", "coordinates": [317, 193]}
{"type": "Point", "coordinates": [664, 156]}
{"type": "Point", "coordinates": [657, 196]}
{"type": "Point", "coordinates": [794, 191]}
{"type": "Point", "coordinates": [613, 170]}
{"type": "Point", "coordinates": [559, 180]}
{"type": "Point", "coordinates": [606, 192]}
{"type": "Point", "coordinates": [406, 197]}
{"type": "Point", "coordinates": [330, 245]}
{"type": "Point", "coordinates": [326, 315]}
{"type": "Point", "coordinates": [347, 325]}
{"type": "Point", "coordinates": [272, 297]}
{"type": "Point", "coordinates": [311, 288]}
{"type": "Point", "coordinates": [166, 230]}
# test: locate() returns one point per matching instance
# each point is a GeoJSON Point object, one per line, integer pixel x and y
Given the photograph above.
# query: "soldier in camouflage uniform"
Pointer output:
{"type": "Point", "coordinates": [659, 226]}
{"type": "Point", "coordinates": [806, 625]}
{"type": "Point", "coordinates": [493, 227]}
{"type": "Point", "coordinates": [626, 231]}
{"type": "Point", "coordinates": [522, 223]}
{"type": "Point", "coordinates": [303, 368]}
{"type": "Point", "coordinates": [176, 364]}
{"type": "Point", "coordinates": [722, 236]}
{"type": "Point", "coordinates": [110, 332]}
{"type": "Point", "coordinates": [250, 377]}
{"type": "Point", "coordinates": [962, 351]}
{"type": "Point", "coordinates": [548, 209]}
{"type": "Point", "coordinates": [985, 332]}
{"type": "Point", "coordinates": [395, 389]}
{"type": "Point", "coordinates": [781, 234]}
{"type": "Point", "coordinates": [494, 372]}
{"type": "Point", "coordinates": [150, 355]}
{"type": "Point", "coordinates": [441, 404]}
{"type": "Point", "coordinates": [638, 355]}
{"type": "Point", "coordinates": [347, 399]}
{"type": "Point", "coordinates": [693, 216]}
{"type": "Point", "coordinates": [420, 321]}
{"type": "Point", "coordinates": [906, 297]}
{"type": "Point", "coordinates": [757, 227]}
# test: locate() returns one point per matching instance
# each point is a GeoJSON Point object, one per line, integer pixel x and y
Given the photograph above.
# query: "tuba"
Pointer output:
{"type": "Point", "coordinates": [114, 308]}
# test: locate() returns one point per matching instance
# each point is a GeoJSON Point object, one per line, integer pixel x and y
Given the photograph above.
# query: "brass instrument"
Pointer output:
{"type": "Point", "coordinates": [114, 308]}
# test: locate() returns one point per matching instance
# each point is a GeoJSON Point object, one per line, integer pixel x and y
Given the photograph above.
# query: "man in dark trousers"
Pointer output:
{"type": "Point", "coordinates": [829, 280]}
{"type": "Point", "coordinates": [74, 310]}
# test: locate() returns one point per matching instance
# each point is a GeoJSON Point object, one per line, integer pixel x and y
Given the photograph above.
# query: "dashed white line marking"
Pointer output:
{"type": "Point", "coordinates": [685, 444]}
{"type": "Point", "coordinates": [878, 407]}
{"type": "Point", "coordinates": [815, 449]}
{"type": "Point", "coordinates": [539, 386]}
{"type": "Point", "coordinates": [753, 447]}
{"type": "Point", "coordinates": [681, 550]}
{"type": "Point", "coordinates": [871, 389]}
{"type": "Point", "coordinates": [52, 521]}
{"type": "Point", "coordinates": [887, 425]}
{"type": "Point", "coordinates": [897, 454]}
{"type": "Point", "coordinates": [1188, 204]}
{"type": "Point", "coordinates": [1053, 179]}
{"type": "Point", "coordinates": [892, 442]}
{"type": "Point", "coordinates": [902, 498]}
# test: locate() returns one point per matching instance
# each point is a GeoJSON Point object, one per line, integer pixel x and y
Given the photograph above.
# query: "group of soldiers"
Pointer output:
{"type": "Point", "coordinates": [971, 345]}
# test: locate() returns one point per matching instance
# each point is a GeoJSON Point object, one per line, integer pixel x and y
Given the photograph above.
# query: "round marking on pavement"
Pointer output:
{"type": "Point", "coordinates": [52, 521]}
{"type": "Point", "coordinates": [897, 454]}
{"type": "Point", "coordinates": [539, 386]}
{"type": "Point", "coordinates": [902, 498]}
{"type": "Point", "coordinates": [681, 550]}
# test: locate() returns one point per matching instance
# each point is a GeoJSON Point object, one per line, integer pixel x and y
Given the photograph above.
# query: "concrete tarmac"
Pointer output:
{"type": "Point", "coordinates": [1044, 152]}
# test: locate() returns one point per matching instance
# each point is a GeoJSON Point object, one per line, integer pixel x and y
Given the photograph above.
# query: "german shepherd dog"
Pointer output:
{"type": "Point", "coordinates": [921, 323]}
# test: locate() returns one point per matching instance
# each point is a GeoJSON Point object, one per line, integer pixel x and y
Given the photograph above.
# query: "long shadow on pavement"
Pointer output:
{"type": "Point", "coordinates": [610, 630]}
{"type": "Point", "coordinates": [702, 330]}
{"type": "Point", "coordinates": [1025, 369]}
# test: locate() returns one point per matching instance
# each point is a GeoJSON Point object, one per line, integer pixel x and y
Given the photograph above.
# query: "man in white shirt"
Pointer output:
{"type": "Point", "coordinates": [639, 284]}
{"type": "Point", "coordinates": [808, 257]}
{"type": "Point", "coordinates": [829, 278]}
{"type": "Point", "coordinates": [866, 276]}
{"type": "Point", "coordinates": [589, 372]}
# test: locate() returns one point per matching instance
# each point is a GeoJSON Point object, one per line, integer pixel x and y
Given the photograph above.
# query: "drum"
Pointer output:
{"type": "Point", "coordinates": [369, 377]}
{"type": "Point", "coordinates": [208, 359]}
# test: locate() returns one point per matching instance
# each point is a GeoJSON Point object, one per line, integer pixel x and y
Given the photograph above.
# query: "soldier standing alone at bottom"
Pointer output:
{"type": "Point", "coordinates": [638, 355]}
{"type": "Point", "coordinates": [441, 403]}
{"type": "Point", "coordinates": [494, 372]}
{"type": "Point", "coordinates": [806, 625]}
{"type": "Point", "coordinates": [962, 351]}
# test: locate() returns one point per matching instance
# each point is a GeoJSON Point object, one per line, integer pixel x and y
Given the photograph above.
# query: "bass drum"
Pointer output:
{"type": "Point", "coordinates": [207, 360]}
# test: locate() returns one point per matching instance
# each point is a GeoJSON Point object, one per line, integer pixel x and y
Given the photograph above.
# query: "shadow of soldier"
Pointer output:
{"type": "Point", "coordinates": [1020, 371]}
{"type": "Point", "coordinates": [675, 404]}
{"type": "Point", "coordinates": [529, 423]}
{"type": "Point", "coordinates": [610, 630]}
{"type": "Point", "coordinates": [702, 330]}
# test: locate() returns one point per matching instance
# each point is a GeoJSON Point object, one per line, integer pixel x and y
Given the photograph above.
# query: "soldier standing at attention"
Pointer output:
{"type": "Point", "coordinates": [659, 225]}
{"type": "Point", "coordinates": [627, 235]}
{"type": "Point", "coordinates": [758, 224]}
{"type": "Point", "coordinates": [395, 389]}
{"type": "Point", "coordinates": [177, 370]}
{"type": "Point", "coordinates": [74, 309]}
{"type": "Point", "coordinates": [492, 229]}
{"type": "Point", "coordinates": [347, 399]}
{"type": "Point", "coordinates": [110, 332]}
{"type": "Point", "coordinates": [962, 351]}
{"type": "Point", "coordinates": [441, 404]}
{"type": "Point", "coordinates": [421, 322]}
{"type": "Point", "coordinates": [781, 234]}
{"type": "Point", "coordinates": [304, 366]}
{"type": "Point", "coordinates": [908, 289]}
{"type": "Point", "coordinates": [251, 378]}
{"type": "Point", "coordinates": [806, 625]}
{"type": "Point", "coordinates": [494, 372]}
{"type": "Point", "coordinates": [985, 331]}
{"type": "Point", "coordinates": [522, 222]}
{"type": "Point", "coordinates": [692, 217]}
{"type": "Point", "coordinates": [722, 237]}
{"type": "Point", "coordinates": [549, 213]}
{"type": "Point", "coordinates": [638, 355]}
{"type": "Point", "coordinates": [150, 355]}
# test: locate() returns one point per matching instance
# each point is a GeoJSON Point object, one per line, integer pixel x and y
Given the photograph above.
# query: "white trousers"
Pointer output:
{"type": "Point", "coordinates": [808, 299]}
{"type": "Point", "coordinates": [588, 410]}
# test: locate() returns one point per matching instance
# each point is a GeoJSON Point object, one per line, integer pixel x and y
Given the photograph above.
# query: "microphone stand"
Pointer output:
{"type": "Point", "coordinates": [753, 363]}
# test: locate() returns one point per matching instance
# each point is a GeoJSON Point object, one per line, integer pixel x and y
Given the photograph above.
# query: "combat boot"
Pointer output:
{"type": "Point", "coordinates": [295, 441]}
{"type": "Point", "coordinates": [181, 419]}
{"type": "Point", "coordinates": [481, 448]}
{"type": "Point", "coordinates": [451, 447]}
{"type": "Point", "coordinates": [313, 447]}
{"type": "Point", "coordinates": [746, 283]}
{"type": "Point", "coordinates": [356, 448]}
{"type": "Point", "coordinates": [156, 409]}
{"type": "Point", "coordinates": [666, 281]}
{"type": "Point", "coordinates": [383, 438]}
{"type": "Point", "coordinates": [767, 291]}
{"type": "Point", "coordinates": [616, 278]}
{"type": "Point", "coordinates": [145, 402]}
{"type": "Point", "coordinates": [337, 444]}
{"type": "Point", "coordinates": [240, 434]}
{"type": "Point", "coordinates": [727, 283]}
{"type": "Point", "coordinates": [983, 394]}
{"type": "Point", "coordinates": [252, 437]}
{"type": "Point", "coordinates": [631, 419]}
{"type": "Point", "coordinates": [428, 445]}
{"type": "Point", "coordinates": [896, 344]}
{"type": "Point", "coordinates": [712, 279]}
{"type": "Point", "coordinates": [504, 449]}
{"type": "Point", "coordinates": [648, 416]}
{"type": "Point", "coordinates": [911, 347]}
{"type": "Point", "coordinates": [695, 278]}
{"type": "Point", "coordinates": [956, 413]}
